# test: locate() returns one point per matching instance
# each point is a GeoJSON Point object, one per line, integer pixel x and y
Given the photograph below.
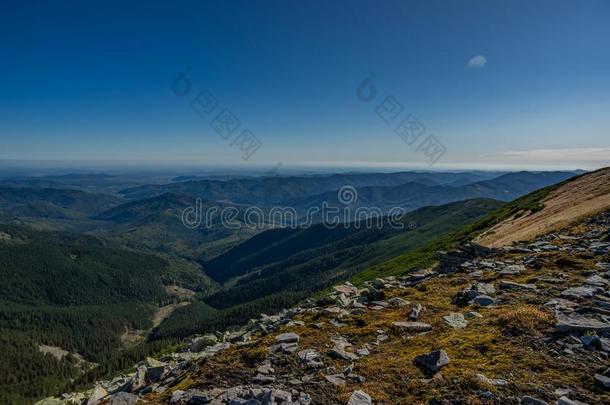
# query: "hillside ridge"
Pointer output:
{"type": "Point", "coordinates": [484, 325]}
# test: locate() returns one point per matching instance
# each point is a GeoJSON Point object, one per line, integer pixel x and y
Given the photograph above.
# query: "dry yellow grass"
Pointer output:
{"type": "Point", "coordinates": [566, 205]}
{"type": "Point", "coordinates": [524, 320]}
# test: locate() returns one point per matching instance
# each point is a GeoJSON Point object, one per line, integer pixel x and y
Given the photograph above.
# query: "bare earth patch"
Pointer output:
{"type": "Point", "coordinates": [166, 311]}
{"type": "Point", "coordinates": [60, 353]}
{"type": "Point", "coordinates": [179, 292]}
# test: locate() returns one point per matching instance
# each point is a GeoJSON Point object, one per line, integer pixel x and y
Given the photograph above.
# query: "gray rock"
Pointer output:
{"type": "Point", "coordinates": [602, 304]}
{"type": "Point", "coordinates": [398, 302]}
{"type": "Point", "coordinates": [198, 343]}
{"type": "Point", "coordinates": [139, 379]}
{"type": "Point", "coordinates": [347, 289]}
{"type": "Point", "coordinates": [118, 384]}
{"type": "Point", "coordinates": [527, 400]}
{"type": "Point", "coordinates": [241, 401]}
{"type": "Point", "coordinates": [155, 369]}
{"type": "Point", "coordinates": [597, 281]}
{"type": "Point", "coordinates": [581, 293]}
{"type": "Point", "coordinates": [340, 342]}
{"type": "Point", "coordinates": [561, 304]}
{"type": "Point", "coordinates": [97, 395]}
{"type": "Point", "coordinates": [287, 348]}
{"type": "Point", "coordinates": [412, 327]}
{"type": "Point", "coordinates": [334, 311]}
{"type": "Point", "coordinates": [52, 401]}
{"type": "Point", "coordinates": [602, 381]}
{"type": "Point", "coordinates": [379, 284]}
{"type": "Point", "coordinates": [509, 285]}
{"type": "Point", "coordinates": [603, 266]}
{"type": "Point", "coordinates": [433, 361]}
{"type": "Point", "coordinates": [263, 379]}
{"type": "Point", "coordinates": [265, 369]}
{"type": "Point", "coordinates": [591, 341]}
{"type": "Point", "coordinates": [308, 355]}
{"type": "Point", "coordinates": [416, 311]}
{"type": "Point", "coordinates": [217, 347]}
{"type": "Point", "coordinates": [359, 398]}
{"type": "Point", "coordinates": [491, 381]}
{"type": "Point", "coordinates": [455, 320]}
{"type": "Point", "coordinates": [363, 352]}
{"type": "Point", "coordinates": [417, 276]}
{"type": "Point", "coordinates": [567, 401]}
{"type": "Point", "coordinates": [343, 301]}
{"type": "Point", "coordinates": [483, 300]}
{"type": "Point", "coordinates": [287, 338]}
{"type": "Point", "coordinates": [343, 355]}
{"type": "Point", "coordinates": [123, 398]}
{"type": "Point", "coordinates": [472, 291]}
{"type": "Point", "coordinates": [177, 396]}
{"type": "Point", "coordinates": [599, 248]}
{"type": "Point", "coordinates": [304, 399]}
{"type": "Point", "coordinates": [281, 396]}
{"type": "Point", "coordinates": [483, 288]}
{"type": "Point", "coordinates": [578, 323]}
{"type": "Point", "coordinates": [562, 392]}
{"type": "Point", "coordinates": [512, 270]}
{"type": "Point", "coordinates": [336, 379]}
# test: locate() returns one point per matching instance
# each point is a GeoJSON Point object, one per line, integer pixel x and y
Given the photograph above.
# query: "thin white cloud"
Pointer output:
{"type": "Point", "coordinates": [477, 62]}
{"type": "Point", "coordinates": [572, 154]}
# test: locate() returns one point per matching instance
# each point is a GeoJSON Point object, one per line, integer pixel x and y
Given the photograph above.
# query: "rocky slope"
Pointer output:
{"type": "Point", "coordinates": [523, 323]}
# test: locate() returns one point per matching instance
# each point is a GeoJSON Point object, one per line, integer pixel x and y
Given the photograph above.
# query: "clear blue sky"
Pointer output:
{"type": "Point", "coordinates": [509, 83]}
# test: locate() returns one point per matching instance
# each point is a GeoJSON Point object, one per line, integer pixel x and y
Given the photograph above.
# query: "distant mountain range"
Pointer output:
{"type": "Point", "coordinates": [267, 191]}
{"type": "Point", "coordinates": [54, 203]}
{"type": "Point", "coordinates": [414, 195]}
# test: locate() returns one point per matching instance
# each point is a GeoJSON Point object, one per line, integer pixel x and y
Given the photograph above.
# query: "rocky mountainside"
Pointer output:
{"type": "Point", "coordinates": [525, 323]}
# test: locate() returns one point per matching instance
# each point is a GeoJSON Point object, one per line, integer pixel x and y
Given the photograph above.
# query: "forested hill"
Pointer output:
{"type": "Point", "coordinates": [39, 269]}
{"type": "Point", "coordinates": [71, 292]}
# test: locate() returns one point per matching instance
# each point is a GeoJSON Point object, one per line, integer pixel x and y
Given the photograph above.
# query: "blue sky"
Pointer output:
{"type": "Point", "coordinates": [499, 84]}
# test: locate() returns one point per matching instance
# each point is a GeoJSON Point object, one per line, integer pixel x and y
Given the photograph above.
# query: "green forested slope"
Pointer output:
{"type": "Point", "coordinates": [72, 292]}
